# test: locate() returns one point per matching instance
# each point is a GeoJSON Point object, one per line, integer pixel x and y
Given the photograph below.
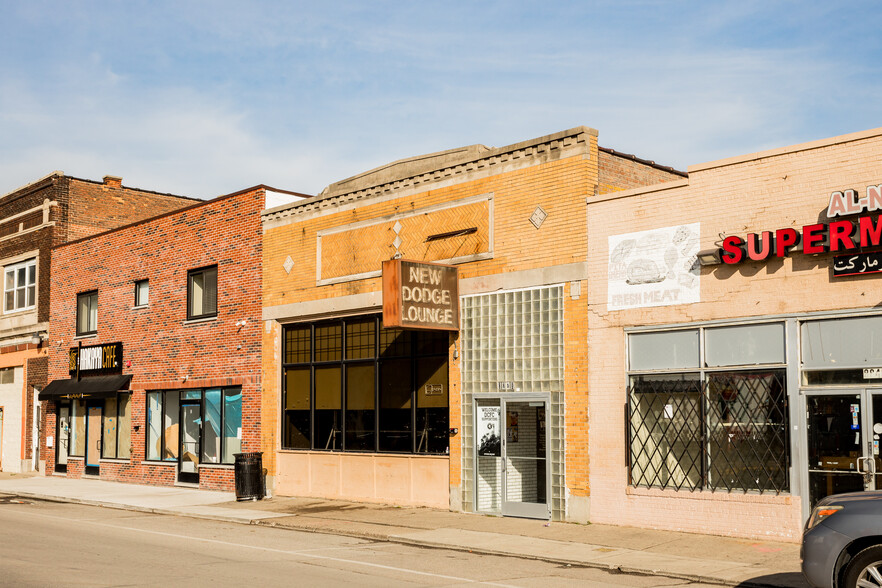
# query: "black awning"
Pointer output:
{"type": "Point", "coordinates": [94, 386]}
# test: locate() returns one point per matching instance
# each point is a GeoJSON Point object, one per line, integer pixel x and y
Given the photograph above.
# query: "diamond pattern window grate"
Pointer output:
{"type": "Point", "coordinates": [727, 431]}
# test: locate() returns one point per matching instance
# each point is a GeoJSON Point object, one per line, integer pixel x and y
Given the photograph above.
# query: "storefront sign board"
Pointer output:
{"type": "Point", "coordinates": [858, 264]}
{"type": "Point", "coordinates": [834, 236]}
{"type": "Point", "coordinates": [419, 295]}
{"type": "Point", "coordinates": [105, 358]}
{"type": "Point", "coordinates": [654, 268]}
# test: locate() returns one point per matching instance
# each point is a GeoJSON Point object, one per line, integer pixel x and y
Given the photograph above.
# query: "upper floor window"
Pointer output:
{"type": "Point", "coordinates": [202, 293]}
{"type": "Point", "coordinates": [20, 286]}
{"type": "Point", "coordinates": [87, 313]}
{"type": "Point", "coordinates": [142, 292]}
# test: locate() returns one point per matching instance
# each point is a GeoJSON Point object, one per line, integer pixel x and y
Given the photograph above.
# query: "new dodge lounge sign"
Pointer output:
{"type": "Point", "coordinates": [418, 295]}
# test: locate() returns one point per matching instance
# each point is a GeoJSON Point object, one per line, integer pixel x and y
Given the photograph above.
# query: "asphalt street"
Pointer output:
{"type": "Point", "coordinates": [56, 544]}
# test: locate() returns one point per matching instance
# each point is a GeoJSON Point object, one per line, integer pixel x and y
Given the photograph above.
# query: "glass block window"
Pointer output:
{"type": "Point", "coordinates": [515, 338]}
{"type": "Point", "coordinates": [711, 428]}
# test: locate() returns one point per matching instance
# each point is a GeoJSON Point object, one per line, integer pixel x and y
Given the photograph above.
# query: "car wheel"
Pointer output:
{"type": "Point", "coordinates": [865, 570]}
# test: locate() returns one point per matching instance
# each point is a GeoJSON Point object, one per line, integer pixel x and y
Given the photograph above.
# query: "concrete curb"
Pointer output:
{"type": "Point", "coordinates": [272, 523]}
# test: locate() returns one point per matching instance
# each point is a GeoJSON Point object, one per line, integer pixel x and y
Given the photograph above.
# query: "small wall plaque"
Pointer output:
{"type": "Point", "coordinates": [538, 217]}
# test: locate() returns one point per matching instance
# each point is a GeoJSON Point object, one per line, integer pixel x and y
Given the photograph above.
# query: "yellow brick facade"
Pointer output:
{"type": "Point", "coordinates": [788, 187]}
{"type": "Point", "coordinates": [337, 244]}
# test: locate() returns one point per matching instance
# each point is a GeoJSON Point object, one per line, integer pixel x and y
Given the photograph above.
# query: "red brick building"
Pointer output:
{"type": "Point", "coordinates": [34, 218]}
{"type": "Point", "coordinates": [155, 346]}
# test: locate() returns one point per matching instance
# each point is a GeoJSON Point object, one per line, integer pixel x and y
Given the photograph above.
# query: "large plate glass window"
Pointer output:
{"type": "Point", "coordinates": [87, 313]}
{"type": "Point", "coordinates": [20, 286]}
{"type": "Point", "coordinates": [116, 440]}
{"type": "Point", "coordinates": [708, 409]}
{"type": "Point", "coordinates": [221, 423]}
{"type": "Point", "coordinates": [202, 293]}
{"type": "Point", "coordinates": [351, 385]}
{"type": "Point", "coordinates": [836, 351]}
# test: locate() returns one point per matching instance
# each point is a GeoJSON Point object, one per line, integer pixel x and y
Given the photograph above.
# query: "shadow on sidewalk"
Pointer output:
{"type": "Point", "coordinates": [788, 580]}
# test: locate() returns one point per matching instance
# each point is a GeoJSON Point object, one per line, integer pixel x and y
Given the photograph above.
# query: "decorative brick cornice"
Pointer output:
{"type": "Point", "coordinates": [527, 153]}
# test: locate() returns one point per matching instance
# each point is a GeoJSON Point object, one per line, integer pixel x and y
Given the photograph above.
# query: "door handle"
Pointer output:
{"type": "Point", "coordinates": [861, 471]}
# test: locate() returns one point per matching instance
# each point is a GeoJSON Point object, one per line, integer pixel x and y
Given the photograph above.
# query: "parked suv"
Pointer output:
{"type": "Point", "coordinates": [842, 541]}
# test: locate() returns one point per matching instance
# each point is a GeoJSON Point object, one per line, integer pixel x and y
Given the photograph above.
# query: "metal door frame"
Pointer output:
{"type": "Point", "coordinates": [864, 394]}
{"type": "Point", "coordinates": [189, 477]}
{"type": "Point", "coordinates": [507, 508]}
{"type": "Point", "coordinates": [62, 467]}
{"type": "Point", "coordinates": [93, 468]}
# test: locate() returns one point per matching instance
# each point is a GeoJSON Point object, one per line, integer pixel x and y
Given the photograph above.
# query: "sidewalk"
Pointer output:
{"type": "Point", "coordinates": [699, 558]}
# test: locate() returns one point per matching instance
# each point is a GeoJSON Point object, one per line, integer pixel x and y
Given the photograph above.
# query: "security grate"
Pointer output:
{"type": "Point", "coordinates": [726, 432]}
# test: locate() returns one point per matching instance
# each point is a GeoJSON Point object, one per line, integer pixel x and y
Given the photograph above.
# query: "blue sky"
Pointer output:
{"type": "Point", "coordinates": [205, 98]}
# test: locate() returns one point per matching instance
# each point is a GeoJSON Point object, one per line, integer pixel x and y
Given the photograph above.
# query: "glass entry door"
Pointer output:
{"type": "Point", "coordinates": [513, 477]}
{"type": "Point", "coordinates": [63, 446]}
{"type": "Point", "coordinates": [191, 436]}
{"type": "Point", "coordinates": [844, 431]}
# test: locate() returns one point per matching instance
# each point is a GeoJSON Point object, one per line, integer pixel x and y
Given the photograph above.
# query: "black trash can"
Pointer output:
{"type": "Point", "coordinates": [249, 476]}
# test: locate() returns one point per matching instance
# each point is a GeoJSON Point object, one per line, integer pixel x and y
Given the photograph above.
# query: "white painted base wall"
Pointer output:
{"type": "Point", "coordinates": [10, 401]}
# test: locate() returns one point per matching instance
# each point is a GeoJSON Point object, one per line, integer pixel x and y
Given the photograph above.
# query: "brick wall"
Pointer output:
{"type": "Point", "coordinates": [100, 206]}
{"type": "Point", "coordinates": [618, 171]}
{"type": "Point", "coordinates": [30, 225]}
{"type": "Point", "coordinates": [161, 348]}
{"type": "Point", "coordinates": [785, 188]}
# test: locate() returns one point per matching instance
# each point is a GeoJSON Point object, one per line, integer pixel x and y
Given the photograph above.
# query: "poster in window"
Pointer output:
{"type": "Point", "coordinates": [512, 428]}
{"type": "Point", "coordinates": [658, 267]}
{"type": "Point", "coordinates": [489, 441]}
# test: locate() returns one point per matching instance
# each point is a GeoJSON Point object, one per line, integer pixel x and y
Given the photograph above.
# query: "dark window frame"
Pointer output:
{"type": "Point", "coordinates": [413, 355]}
{"type": "Point", "coordinates": [80, 296]}
{"type": "Point", "coordinates": [191, 274]}
{"type": "Point", "coordinates": [138, 301]}
{"type": "Point", "coordinates": [224, 390]}
{"type": "Point", "coordinates": [117, 417]}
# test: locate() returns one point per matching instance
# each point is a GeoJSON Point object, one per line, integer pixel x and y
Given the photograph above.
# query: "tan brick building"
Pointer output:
{"type": "Point", "coordinates": [492, 418]}
{"type": "Point", "coordinates": [751, 383]}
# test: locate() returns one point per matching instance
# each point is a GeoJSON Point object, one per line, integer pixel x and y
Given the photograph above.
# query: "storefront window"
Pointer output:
{"type": "Point", "coordinates": [836, 351]}
{"type": "Point", "coordinates": [221, 418]}
{"type": "Point", "coordinates": [116, 438]}
{"type": "Point", "coordinates": [351, 385]}
{"type": "Point", "coordinates": [211, 430]}
{"type": "Point", "coordinates": [154, 425]}
{"type": "Point", "coordinates": [711, 428]}
{"type": "Point", "coordinates": [78, 427]}
{"type": "Point", "coordinates": [232, 425]}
